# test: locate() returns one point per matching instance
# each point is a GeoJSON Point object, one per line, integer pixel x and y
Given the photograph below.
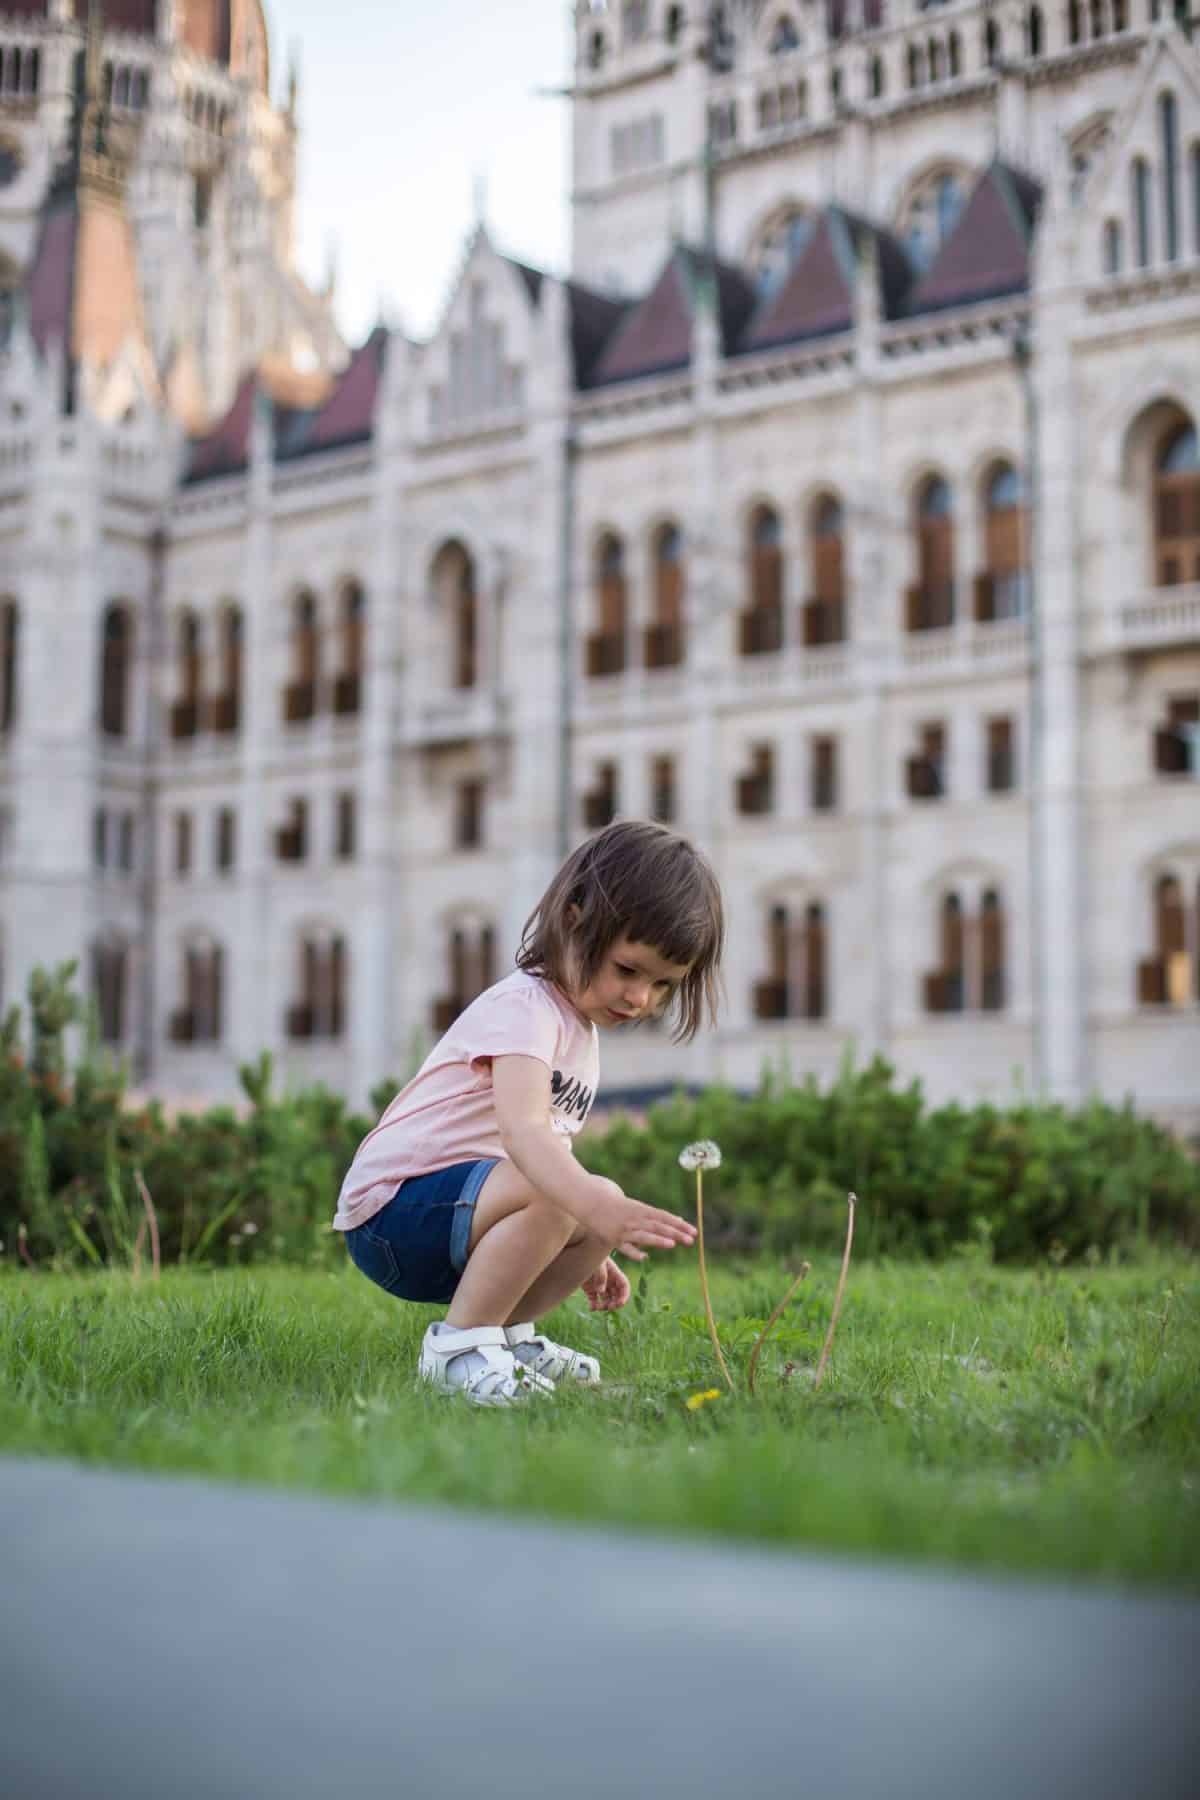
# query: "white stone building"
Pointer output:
{"type": "Point", "coordinates": [843, 507]}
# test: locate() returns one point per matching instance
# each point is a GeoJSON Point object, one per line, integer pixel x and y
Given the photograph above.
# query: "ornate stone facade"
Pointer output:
{"type": "Point", "coordinates": [843, 507]}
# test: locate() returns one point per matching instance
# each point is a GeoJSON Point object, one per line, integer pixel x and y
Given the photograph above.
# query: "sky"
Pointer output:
{"type": "Point", "coordinates": [404, 110]}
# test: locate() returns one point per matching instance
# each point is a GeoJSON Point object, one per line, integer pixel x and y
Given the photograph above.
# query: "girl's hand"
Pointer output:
{"type": "Point", "coordinates": [608, 1288]}
{"type": "Point", "coordinates": [631, 1227]}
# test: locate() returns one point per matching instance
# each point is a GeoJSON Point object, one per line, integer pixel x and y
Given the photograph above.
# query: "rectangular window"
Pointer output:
{"type": "Point", "coordinates": [183, 843]}
{"type": "Point", "coordinates": [125, 839]}
{"type": "Point", "coordinates": [345, 828]}
{"type": "Point", "coordinates": [468, 815]}
{"type": "Point", "coordinates": [100, 838]}
{"type": "Point", "coordinates": [1001, 762]}
{"type": "Point", "coordinates": [756, 790]}
{"type": "Point", "coordinates": [291, 840]}
{"type": "Point", "coordinates": [225, 847]}
{"type": "Point", "coordinates": [824, 774]}
{"type": "Point", "coordinates": [662, 789]}
{"type": "Point", "coordinates": [926, 771]}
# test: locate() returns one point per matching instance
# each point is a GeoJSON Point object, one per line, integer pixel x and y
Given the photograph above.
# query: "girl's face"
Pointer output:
{"type": "Point", "coordinates": [633, 982]}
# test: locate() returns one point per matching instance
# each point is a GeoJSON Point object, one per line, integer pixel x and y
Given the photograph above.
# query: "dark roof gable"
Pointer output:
{"type": "Point", "coordinates": [986, 255]}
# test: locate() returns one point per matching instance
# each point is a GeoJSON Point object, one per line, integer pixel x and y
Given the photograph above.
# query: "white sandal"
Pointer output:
{"type": "Point", "coordinates": [488, 1373]}
{"type": "Point", "coordinates": [542, 1357]}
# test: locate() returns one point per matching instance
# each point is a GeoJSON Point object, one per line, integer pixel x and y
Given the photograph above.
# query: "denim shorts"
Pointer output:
{"type": "Point", "coordinates": [416, 1247]}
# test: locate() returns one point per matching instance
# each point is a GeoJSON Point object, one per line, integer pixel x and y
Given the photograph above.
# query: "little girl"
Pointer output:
{"type": "Point", "coordinates": [467, 1191]}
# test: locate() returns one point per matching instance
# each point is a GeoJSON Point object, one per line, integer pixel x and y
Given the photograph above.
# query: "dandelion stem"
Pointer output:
{"type": "Point", "coordinates": [708, 1311]}
{"type": "Point", "coordinates": [762, 1336]}
{"type": "Point", "coordinates": [152, 1216]}
{"type": "Point", "coordinates": [837, 1298]}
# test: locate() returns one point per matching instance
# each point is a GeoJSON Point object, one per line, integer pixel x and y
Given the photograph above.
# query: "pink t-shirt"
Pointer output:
{"type": "Point", "coordinates": [447, 1115]}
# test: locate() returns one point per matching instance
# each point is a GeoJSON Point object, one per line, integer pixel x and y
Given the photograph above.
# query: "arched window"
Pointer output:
{"type": "Point", "coordinates": [762, 620]}
{"type": "Point", "coordinates": [227, 703]}
{"type": "Point", "coordinates": [664, 637]}
{"type": "Point", "coordinates": [877, 81]}
{"type": "Point", "coordinates": [1001, 586]}
{"type": "Point", "coordinates": [1170, 977]}
{"type": "Point", "coordinates": [779, 244]}
{"type": "Point", "coordinates": [300, 695]}
{"type": "Point", "coordinates": [945, 986]}
{"type": "Point", "coordinates": [1097, 10]}
{"type": "Point", "coordinates": [825, 610]}
{"type": "Point", "coordinates": [185, 713]}
{"type": "Point", "coordinates": [606, 649]}
{"type": "Point", "coordinates": [991, 43]}
{"type": "Point", "coordinates": [1168, 126]}
{"type": "Point", "coordinates": [109, 972]}
{"type": "Point", "coordinates": [785, 37]}
{"type": "Point", "coordinates": [1112, 247]}
{"type": "Point", "coordinates": [955, 54]}
{"type": "Point", "coordinates": [813, 971]}
{"type": "Point", "coordinates": [1177, 509]}
{"type": "Point", "coordinates": [936, 66]}
{"type": "Point", "coordinates": [1139, 175]}
{"type": "Point", "coordinates": [116, 668]}
{"type": "Point", "coordinates": [320, 1011]}
{"type": "Point", "coordinates": [199, 1019]}
{"type": "Point", "coordinates": [9, 645]}
{"type": "Point", "coordinates": [991, 953]}
{"type": "Point", "coordinates": [470, 969]}
{"type": "Point", "coordinates": [796, 984]}
{"type": "Point", "coordinates": [930, 214]}
{"type": "Point", "coordinates": [457, 603]}
{"type": "Point", "coordinates": [930, 601]}
{"type": "Point", "coordinates": [347, 685]}
{"type": "Point", "coordinates": [1074, 22]}
{"type": "Point", "coordinates": [595, 50]}
{"type": "Point", "coordinates": [1033, 31]}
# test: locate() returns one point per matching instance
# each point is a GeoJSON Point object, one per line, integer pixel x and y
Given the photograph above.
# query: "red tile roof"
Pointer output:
{"type": "Point", "coordinates": [986, 254]}
{"type": "Point", "coordinates": [226, 449]}
{"type": "Point", "coordinates": [348, 415]}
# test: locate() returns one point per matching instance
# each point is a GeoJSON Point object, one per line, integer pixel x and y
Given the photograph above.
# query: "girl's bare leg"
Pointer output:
{"type": "Point", "coordinates": [522, 1249]}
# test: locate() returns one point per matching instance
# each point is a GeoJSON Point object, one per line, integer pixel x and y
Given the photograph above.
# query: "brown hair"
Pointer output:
{"type": "Point", "coordinates": [639, 881]}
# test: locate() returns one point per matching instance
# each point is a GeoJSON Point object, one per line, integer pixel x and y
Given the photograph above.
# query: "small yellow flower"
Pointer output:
{"type": "Point", "coordinates": [695, 1401]}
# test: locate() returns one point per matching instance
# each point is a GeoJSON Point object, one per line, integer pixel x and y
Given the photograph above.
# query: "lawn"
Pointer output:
{"type": "Point", "coordinates": [1044, 1419]}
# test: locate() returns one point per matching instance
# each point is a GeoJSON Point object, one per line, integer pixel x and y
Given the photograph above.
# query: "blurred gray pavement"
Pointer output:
{"type": "Point", "coordinates": [166, 1639]}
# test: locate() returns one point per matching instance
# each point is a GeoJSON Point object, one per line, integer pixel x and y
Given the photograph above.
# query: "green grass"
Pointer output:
{"type": "Point", "coordinates": [1036, 1420]}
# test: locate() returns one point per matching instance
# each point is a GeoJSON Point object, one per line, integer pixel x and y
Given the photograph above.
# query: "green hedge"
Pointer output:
{"type": "Point", "coordinates": [1028, 1181]}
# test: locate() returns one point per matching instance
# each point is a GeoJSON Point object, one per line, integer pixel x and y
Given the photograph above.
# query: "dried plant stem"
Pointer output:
{"type": "Point", "coordinates": [837, 1298]}
{"type": "Point", "coordinates": [708, 1311]}
{"type": "Point", "coordinates": [152, 1217]}
{"type": "Point", "coordinates": [763, 1334]}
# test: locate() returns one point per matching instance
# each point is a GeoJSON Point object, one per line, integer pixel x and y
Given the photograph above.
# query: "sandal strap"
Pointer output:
{"type": "Point", "coordinates": [471, 1337]}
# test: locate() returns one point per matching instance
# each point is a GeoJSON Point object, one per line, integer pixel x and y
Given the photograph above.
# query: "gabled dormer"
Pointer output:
{"type": "Point", "coordinates": [817, 297]}
{"type": "Point", "coordinates": [655, 336]}
{"type": "Point", "coordinates": [987, 253]}
{"type": "Point", "coordinates": [475, 368]}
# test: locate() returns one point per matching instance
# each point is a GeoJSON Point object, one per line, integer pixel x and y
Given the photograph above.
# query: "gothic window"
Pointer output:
{"type": "Point", "coordinates": [600, 800]}
{"type": "Point", "coordinates": [595, 50]}
{"type": "Point", "coordinates": [916, 66]}
{"type": "Point", "coordinates": [125, 833]}
{"type": "Point", "coordinates": [1074, 22]}
{"type": "Point", "coordinates": [779, 246]}
{"type": "Point", "coordinates": [824, 620]}
{"type": "Point", "coordinates": [109, 970]}
{"type": "Point", "coordinates": [991, 43]}
{"type": "Point", "coordinates": [606, 644]}
{"type": "Point", "coordinates": [762, 621]}
{"type": "Point", "coordinates": [1177, 509]}
{"type": "Point", "coordinates": [954, 50]}
{"type": "Point", "coordinates": [674, 24]}
{"type": "Point", "coordinates": [1171, 976]}
{"type": "Point", "coordinates": [199, 1019]}
{"type": "Point", "coordinates": [991, 953]}
{"type": "Point", "coordinates": [226, 705]}
{"type": "Point", "coordinates": [347, 685]}
{"type": "Point", "coordinates": [1000, 765]}
{"type": "Point", "coordinates": [320, 1011]}
{"type": "Point", "coordinates": [930, 214]}
{"type": "Point", "coordinates": [453, 581]}
{"type": "Point", "coordinates": [1112, 247]}
{"type": "Point", "coordinates": [300, 695]}
{"type": "Point", "coordinates": [1168, 123]}
{"type": "Point", "coordinates": [224, 839]}
{"type": "Point", "coordinates": [823, 775]}
{"type": "Point", "coordinates": [1002, 584]}
{"type": "Point", "coordinates": [291, 839]}
{"type": "Point", "coordinates": [925, 771]}
{"type": "Point", "coordinates": [877, 79]}
{"type": "Point", "coordinates": [930, 601]}
{"type": "Point", "coordinates": [935, 60]}
{"type": "Point", "coordinates": [1033, 31]}
{"type": "Point", "coordinates": [796, 984]}
{"type": "Point", "coordinates": [9, 645]}
{"type": "Point", "coordinates": [1139, 176]}
{"type": "Point", "coordinates": [468, 814]}
{"type": "Point", "coordinates": [183, 844]}
{"type": "Point", "coordinates": [345, 826]}
{"type": "Point", "coordinates": [1097, 14]}
{"type": "Point", "coordinates": [470, 970]}
{"type": "Point", "coordinates": [945, 986]}
{"type": "Point", "coordinates": [663, 789]}
{"type": "Point", "coordinates": [754, 793]}
{"type": "Point", "coordinates": [185, 712]}
{"type": "Point", "coordinates": [664, 637]}
{"type": "Point", "coordinates": [116, 669]}
{"type": "Point", "coordinates": [785, 36]}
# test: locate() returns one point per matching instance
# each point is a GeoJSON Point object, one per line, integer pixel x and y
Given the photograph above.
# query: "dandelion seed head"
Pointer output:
{"type": "Point", "coordinates": [703, 1154]}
